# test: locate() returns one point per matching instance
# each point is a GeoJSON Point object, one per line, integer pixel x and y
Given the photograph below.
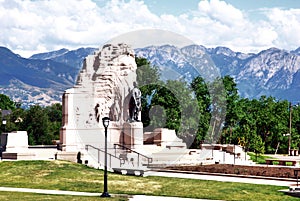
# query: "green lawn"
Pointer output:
{"type": "Point", "coordinates": [62, 175]}
{"type": "Point", "coordinates": [260, 159]}
{"type": "Point", "coordinates": [16, 196]}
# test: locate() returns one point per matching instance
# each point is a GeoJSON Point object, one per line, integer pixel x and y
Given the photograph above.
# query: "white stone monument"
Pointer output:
{"type": "Point", "coordinates": [103, 89]}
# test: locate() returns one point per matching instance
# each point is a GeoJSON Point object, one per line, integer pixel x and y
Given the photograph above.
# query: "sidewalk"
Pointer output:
{"type": "Point", "coordinates": [49, 192]}
{"type": "Point", "coordinates": [162, 198]}
{"type": "Point", "coordinates": [264, 181]}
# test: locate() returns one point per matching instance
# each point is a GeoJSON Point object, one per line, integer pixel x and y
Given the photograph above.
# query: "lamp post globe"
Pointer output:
{"type": "Point", "coordinates": [105, 121]}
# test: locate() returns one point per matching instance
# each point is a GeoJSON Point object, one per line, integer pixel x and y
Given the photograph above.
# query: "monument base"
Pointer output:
{"type": "Point", "coordinates": [164, 138]}
{"type": "Point", "coordinates": [68, 156]}
{"type": "Point", "coordinates": [132, 135]}
{"type": "Point", "coordinates": [18, 156]}
{"type": "Point", "coordinates": [15, 146]}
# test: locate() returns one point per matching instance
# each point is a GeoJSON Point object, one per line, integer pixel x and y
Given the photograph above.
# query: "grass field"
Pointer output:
{"type": "Point", "coordinates": [259, 159]}
{"type": "Point", "coordinates": [63, 175]}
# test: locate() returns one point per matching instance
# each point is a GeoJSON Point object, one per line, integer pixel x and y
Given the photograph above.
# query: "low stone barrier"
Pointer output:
{"type": "Point", "coordinates": [263, 170]}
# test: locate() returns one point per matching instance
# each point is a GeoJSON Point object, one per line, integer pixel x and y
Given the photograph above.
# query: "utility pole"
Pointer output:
{"type": "Point", "coordinates": [290, 130]}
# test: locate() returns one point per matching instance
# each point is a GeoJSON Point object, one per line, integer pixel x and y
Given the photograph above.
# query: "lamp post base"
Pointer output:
{"type": "Point", "coordinates": [105, 195]}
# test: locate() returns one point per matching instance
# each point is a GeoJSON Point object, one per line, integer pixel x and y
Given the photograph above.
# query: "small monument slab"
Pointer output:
{"type": "Point", "coordinates": [15, 146]}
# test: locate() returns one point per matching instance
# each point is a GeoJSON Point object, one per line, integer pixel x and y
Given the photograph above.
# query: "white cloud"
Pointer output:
{"type": "Point", "coordinates": [286, 23]}
{"type": "Point", "coordinates": [34, 26]}
{"type": "Point", "coordinates": [220, 11]}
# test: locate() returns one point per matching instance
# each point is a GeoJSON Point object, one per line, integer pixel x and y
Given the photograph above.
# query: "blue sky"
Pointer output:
{"type": "Point", "coordinates": [29, 27]}
{"type": "Point", "coordinates": [177, 7]}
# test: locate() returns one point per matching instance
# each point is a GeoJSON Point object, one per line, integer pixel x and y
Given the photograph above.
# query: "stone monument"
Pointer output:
{"type": "Point", "coordinates": [105, 87]}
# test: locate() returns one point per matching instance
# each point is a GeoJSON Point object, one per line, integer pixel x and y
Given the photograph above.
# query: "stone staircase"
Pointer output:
{"type": "Point", "coordinates": [120, 159]}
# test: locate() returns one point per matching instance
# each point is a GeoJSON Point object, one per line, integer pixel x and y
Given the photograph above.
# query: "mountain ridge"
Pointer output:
{"type": "Point", "coordinates": [271, 72]}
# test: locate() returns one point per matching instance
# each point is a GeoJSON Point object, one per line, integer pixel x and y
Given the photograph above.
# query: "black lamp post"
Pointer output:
{"type": "Point", "coordinates": [4, 123]}
{"type": "Point", "coordinates": [105, 122]}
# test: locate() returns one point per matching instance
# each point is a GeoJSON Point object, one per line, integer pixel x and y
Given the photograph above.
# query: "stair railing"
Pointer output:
{"type": "Point", "coordinates": [88, 146]}
{"type": "Point", "coordinates": [128, 150]}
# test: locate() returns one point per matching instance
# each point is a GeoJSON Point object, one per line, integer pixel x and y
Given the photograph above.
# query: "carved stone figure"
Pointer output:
{"type": "Point", "coordinates": [97, 113]}
{"type": "Point", "coordinates": [135, 104]}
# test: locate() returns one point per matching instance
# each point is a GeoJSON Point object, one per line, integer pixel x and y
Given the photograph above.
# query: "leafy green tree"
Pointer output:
{"type": "Point", "coordinates": [6, 103]}
{"type": "Point", "coordinates": [280, 126]}
{"type": "Point", "coordinates": [246, 126]}
{"type": "Point", "coordinates": [257, 145]}
{"type": "Point", "coordinates": [147, 74]}
{"type": "Point", "coordinates": [167, 104]}
{"type": "Point", "coordinates": [148, 79]}
{"type": "Point", "coordinates": [36, 123]}
{"type": "Point", "coordinates": [233, 110]}
{"type": "Point", "coordinates": [179, 105]}
{"type": "Point", "coordinates": [15, 119]}
{"type": "Point", "coordinates": [200, 88]}
{"type": "Point", "coordinates": [272, 121]}
{"type": "Point", "coordinates": [54, 113]}
{"type": "Point", "coordinates": [218, 103]}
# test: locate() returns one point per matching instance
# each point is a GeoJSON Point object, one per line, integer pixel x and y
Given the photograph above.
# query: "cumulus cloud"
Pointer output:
{"type": "Point", "coordinates": [286, 24]}
{"type": "Point", "coordinates": [35, 26]}
{"type": "Point", "coordinates": [221, 12]}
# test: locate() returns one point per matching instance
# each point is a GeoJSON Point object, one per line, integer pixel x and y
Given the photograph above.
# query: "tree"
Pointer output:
{"type": "Point", "coordinates": [233, 111]}
{"type": "Point", "coordinates": [169, 104]}
{"type": "Point", "coordinates": [15, 119]}
{"type": "Point", "coordinates": [180, 107]}
{"type": "Point", "coordinates": [217, 109]}
{"type": "Point", "coordinates": [148, 81]}
{"type": "Point", "coordinates": [257, 145]}
{"type": "Point", "coordinates": [279, 126]}
{"type": "Point", "coordinates": [6, 103]}
{"type": "Point", "coordinates": [54, 113]}
{"type": "Point", "coordinates": [200, 90]}
{"type": "Point", "coordinates": [146, 73]}
{"type": "Point", "coordinates": [36, 123]}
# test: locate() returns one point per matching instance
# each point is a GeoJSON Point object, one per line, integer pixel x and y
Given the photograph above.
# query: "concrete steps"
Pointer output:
{"type": "Point", "coordinates": [131, 165]}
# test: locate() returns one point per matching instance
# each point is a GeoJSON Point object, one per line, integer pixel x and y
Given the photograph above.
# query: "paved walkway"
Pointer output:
{"type": "Point", "coordinates": [49, 192]}
{"type": "Point", "coordinates": [284, 157]}
{"type": "Point", "coordinates": [265, 181]}
{"type": "Point", "coordinates": [131, 198]}
{"type": "Point", "coordinates": [161, 198]}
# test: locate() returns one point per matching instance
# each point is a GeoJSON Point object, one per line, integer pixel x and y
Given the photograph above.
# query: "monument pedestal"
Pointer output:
{"type": "Point", "coordinates": [132, 135]}
{"type": "Point", "coordinates": [15, 146]}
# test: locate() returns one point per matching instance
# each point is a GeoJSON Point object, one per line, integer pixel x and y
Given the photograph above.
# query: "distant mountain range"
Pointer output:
{"type": "Point", "coordinates": [272, 72]}
{"type": "Point", "coordinates": [42, 78]}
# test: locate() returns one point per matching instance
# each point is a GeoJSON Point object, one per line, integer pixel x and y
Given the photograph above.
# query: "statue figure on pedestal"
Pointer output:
{"type": "Point", "coordinates": [135, 104]}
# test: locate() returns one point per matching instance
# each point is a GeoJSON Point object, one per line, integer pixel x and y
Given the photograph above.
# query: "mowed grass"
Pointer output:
{"type": "Point", "coordinates": [17, 196]}
{"type": "Point", "coordinates": [63, 175]}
